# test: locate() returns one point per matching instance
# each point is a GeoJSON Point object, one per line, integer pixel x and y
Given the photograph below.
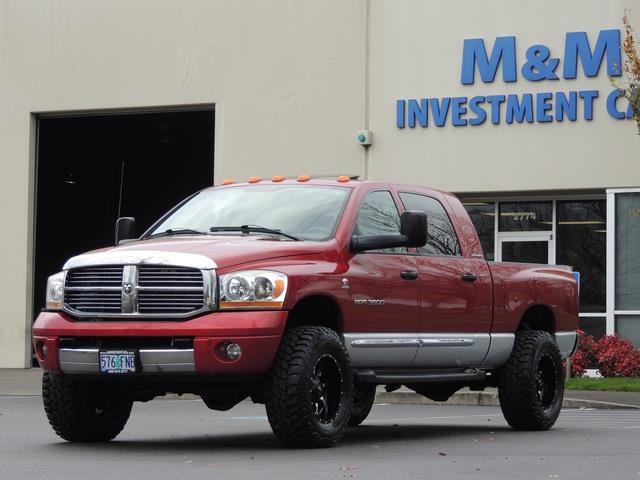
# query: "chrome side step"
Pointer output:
{"type": "Point", "coordinates": [422, 376]}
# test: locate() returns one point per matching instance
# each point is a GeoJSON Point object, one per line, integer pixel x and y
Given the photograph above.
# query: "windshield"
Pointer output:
{"type": "Point", "coordinates": [308, 212]}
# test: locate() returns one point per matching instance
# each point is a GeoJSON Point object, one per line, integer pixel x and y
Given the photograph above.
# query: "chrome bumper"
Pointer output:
{"type": "Point", "coordinates": [85, 360]}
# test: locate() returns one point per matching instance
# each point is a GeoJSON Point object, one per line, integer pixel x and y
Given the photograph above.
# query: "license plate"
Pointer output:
{"type": "Point", "coordinates": [118, 362]}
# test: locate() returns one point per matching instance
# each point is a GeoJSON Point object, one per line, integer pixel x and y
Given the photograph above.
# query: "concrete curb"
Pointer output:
{"type": "Point", "coordinates": [484, 398]}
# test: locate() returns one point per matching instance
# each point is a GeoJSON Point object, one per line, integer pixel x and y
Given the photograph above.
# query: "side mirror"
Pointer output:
{"type": "Point", "coordinates": [413, 225]}
{"type": "Point", "coordinates": [413, 233]}
{"type": "Point", "coordinates": [125, 230]}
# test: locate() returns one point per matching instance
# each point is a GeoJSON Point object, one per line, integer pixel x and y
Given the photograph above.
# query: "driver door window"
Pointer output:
{"type": "Point", "coordinates": [379, 215]}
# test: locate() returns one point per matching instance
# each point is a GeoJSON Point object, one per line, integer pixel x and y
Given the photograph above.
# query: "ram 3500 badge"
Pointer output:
{"type": "Point", "coordinates": [302, 295]}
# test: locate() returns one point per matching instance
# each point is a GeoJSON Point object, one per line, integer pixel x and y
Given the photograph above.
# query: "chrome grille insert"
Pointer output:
{"type": "Point", "coordinates": [154, 291]}
{"type": "Point", "coordinates": [95, 290]}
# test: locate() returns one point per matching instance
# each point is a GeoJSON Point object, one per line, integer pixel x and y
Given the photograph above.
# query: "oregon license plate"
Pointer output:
{"type": "Point", "coordinates": [118, 362]}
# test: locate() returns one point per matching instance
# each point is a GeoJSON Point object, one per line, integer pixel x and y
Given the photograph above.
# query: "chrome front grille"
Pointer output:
{"type": "Point", "coordinates": [94, 290]}
{"type": "Point", "coordinates": [154, 291]}
{"type": "Point", "coordinates": [169, 289]}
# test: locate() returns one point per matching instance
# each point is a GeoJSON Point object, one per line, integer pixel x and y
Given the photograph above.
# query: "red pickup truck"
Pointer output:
{"type": "Point", "coordinates": [302, 294]}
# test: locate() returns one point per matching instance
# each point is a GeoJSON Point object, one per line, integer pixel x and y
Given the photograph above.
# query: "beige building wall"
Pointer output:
{"type": "Point", "coordinates": [285, 77]}
{"type": "Point", "coordinates": [416, 52]}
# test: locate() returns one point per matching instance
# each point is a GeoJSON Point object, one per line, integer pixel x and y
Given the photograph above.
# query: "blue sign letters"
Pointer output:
{"type": "Point", "coordinates": [539, 65]}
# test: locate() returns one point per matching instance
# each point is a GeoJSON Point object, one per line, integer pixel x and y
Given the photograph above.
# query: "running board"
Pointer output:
{"type": "Point", "coordinates": [407, 377]}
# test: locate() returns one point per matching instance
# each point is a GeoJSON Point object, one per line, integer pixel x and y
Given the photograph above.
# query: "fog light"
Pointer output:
{"type": "Point", "coordinates": [44, 349]}
{"type": "Point", "coordinates": [233, 351]}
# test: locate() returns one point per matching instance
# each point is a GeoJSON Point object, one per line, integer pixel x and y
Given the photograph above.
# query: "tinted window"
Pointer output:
{"type": "Point", "coordinates": [628, 255]}
{"type": "Point", "coordinates": [441, 237]}
{"type": "Point", "coordinates": [525, 216]}
{"type": "Point", "coordinates": [378, 215]}
{"type": "Point", "coordinates": [582, 243]}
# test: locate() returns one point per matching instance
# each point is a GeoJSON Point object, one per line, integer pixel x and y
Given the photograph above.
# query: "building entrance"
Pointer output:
{"type": "Point", "coordinates": [525, 248]}
{"type": "Point", "coordinates": [91, 169]}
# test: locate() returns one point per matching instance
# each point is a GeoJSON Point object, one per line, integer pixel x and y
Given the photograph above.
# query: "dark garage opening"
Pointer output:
{"type": "Point", "coordinates": [92, 169]}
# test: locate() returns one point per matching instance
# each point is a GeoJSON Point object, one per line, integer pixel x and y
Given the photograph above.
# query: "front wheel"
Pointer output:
{"type": "Point", "coordinates": [308, 392]}
{"type": "Point", "coordinates": [81, 412]}
{"type": "Point", "coordinates": [531, 383]}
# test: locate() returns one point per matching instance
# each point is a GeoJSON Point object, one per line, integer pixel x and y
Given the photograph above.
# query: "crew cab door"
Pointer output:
{"type": "Point", "coordinates": [455, 293]}
{"type": "Point", "coordinates": [382, 322]}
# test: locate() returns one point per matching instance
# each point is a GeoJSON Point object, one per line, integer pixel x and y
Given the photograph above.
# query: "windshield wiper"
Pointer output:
{"type": "Point", "coordinates": [253, 229]}
{"type": "Point", "coordinates": [178, 231]}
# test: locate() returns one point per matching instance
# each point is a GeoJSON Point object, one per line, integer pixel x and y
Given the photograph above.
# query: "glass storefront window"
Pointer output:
{"type": "Point", "coordinates": [594, 326]}
{"type": "Point", "coordinates": [581, 242]}
{"type": "Point", "coordinates": [483, 216]}
{"type": "Point", "coordinates": [525, 216]}
{"type": "Point", "coordinates": [628, 252]}
{"type": "Point", "coordinates": [628, 326]}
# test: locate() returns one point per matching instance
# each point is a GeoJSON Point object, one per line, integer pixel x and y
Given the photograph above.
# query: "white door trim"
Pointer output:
{"type": "Point", "coordinates": [527, 237]}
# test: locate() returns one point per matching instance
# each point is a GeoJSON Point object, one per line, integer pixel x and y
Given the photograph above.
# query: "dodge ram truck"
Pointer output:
{"type": "Point", "coordinates": [304, 295]}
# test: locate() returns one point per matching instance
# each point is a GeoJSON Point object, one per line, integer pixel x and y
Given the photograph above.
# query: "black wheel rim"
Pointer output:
{"type": "Point", "coordinates": [326, 389]}
{"type": "Point", "coordinates": [546, 381]}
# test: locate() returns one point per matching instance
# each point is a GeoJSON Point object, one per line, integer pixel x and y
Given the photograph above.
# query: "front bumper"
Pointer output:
{"type": "Point", "coordinates": [257, 332]}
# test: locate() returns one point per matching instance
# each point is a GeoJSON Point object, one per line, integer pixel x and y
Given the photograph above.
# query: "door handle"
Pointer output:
{"type": "Point", "coordinates": [409, 274]}
{"type": "Point", "coordinates": [469, 277]}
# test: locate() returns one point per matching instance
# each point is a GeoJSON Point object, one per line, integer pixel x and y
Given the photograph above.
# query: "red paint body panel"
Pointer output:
{"type": "Point", "coordinates": [518, 286]}
{"type": "Point", "coordinates": [241, 323]}
{"type": "Point", "coordinates": [437, 302]}
{"type": "Point", "coordinates": [449, 304]}
{"type": "Point", "coordinates": [377, 276]}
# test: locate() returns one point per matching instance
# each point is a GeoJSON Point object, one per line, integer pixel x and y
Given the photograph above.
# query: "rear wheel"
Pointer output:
{"type": "Point", "coordinates": [83, 412]}
{"type": "Point", "coordinates": [531, 383]}
{"type": "Point", "coordinates": [309, 390]}
{"type": "Point", "coordinates": [364, 395]}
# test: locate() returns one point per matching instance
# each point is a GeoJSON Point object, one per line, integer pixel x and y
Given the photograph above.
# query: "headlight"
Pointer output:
{"type": "Point", "coordinates": [55, 291]}
{"type": "Point", "coordinates": [253, 289]}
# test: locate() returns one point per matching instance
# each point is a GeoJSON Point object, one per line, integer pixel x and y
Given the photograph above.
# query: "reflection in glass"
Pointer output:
{"type": "Point", "coordinates": [525, 216]}
{"type": "Point", "coordinates": [628, 251]}
{"type": "Point", "coordinates": [308, 212]}
{"type": "Point", "coordinates": [594, 326]}
{"type": "Point", "coordinates": [378, 215]}
{"type": "Point", "coordinates": [582, 244]}
{"type": "Point", "coordinates": [441, 237]}
{"type": "Point", "coordinates": [483, 216]}
{"type": "Point", "coordinates": [525, 252]}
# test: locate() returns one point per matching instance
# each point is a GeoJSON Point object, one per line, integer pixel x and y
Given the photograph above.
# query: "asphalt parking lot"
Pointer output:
{"type": "Point", "coordinates": [182, 439]}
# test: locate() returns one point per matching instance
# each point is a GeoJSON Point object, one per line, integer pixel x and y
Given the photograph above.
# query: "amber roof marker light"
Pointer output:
{"type": "Point", "coordinates": [278, 178]}
{"type": "Point", "coordinates": [228, 181]}
{"type": "Point", "coordinates": [303, 178]}
{"type": "Point", "coordinates": [255, 179]}
{"type": "Point", "coordinates": [343, 178]}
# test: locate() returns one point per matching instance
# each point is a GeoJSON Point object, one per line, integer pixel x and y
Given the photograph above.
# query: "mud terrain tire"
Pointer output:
{"type": "Point", "coordinates": [81, 412]}
{"type": "Point", "coordinates": [308, 392]}
{"type": "Point", "coordinates": [531, 383]}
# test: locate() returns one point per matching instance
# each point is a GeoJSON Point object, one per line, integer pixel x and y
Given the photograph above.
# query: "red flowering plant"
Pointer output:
{"type": "Point", "coordinates": [618, 357]}
{"type": "Point", "coordinates": [585, 356]}
{"type": "Point", "coordinates": [612, 356]}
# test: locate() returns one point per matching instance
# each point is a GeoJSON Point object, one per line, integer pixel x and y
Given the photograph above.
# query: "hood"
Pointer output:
{"type": "Point", "coordinates": [223, 250]}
